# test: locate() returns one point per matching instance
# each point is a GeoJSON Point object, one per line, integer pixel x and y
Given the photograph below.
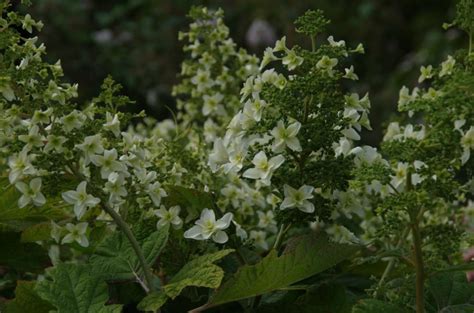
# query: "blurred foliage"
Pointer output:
{"type": "Point", "coordinates": [136, 41]}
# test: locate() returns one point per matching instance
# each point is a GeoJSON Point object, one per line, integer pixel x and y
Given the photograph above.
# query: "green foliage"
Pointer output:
{"type": "Point", "coordinates": [375, 306]}
{"type": "Point", "coordinates": [75, 288]}
{"type": "Point", "coordinates": [114, 258]}
{"type": "Point", "coordinates": [27, 300]}
{"type": "Point", "coordinates": [200, 272]}
{"type": "Point", "coordinates": [153, 302]}
{"type": "Point", "coordinates": [25, 257]}
{"type": "Point", "coordinates": [307, 256]}
{"type": "Point", "coordinates": [449, 292]}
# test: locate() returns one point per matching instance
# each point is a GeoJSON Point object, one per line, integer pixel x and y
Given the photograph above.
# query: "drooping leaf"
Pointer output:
{"type": "Point", "coordinates": [450, 292]}
{"type": "Point", "coordinates": [21, 256]}
{"type": "Point", "coordinates": [192, 200]}
{"type": "Point", "coordinates": [310, 255]}
{"type": "Point", "coordinates": [152, 302]}
{"type": "Point", "coordinates": [74, 288]}
{"type": "Point", "coordinates": [115, 258]}
{"type": "Point", "coordinates": [27, 300]}
{"type": "Point", "coordinates": [200, 272]}
{"type": "Point", "coordinates": [375, 306]}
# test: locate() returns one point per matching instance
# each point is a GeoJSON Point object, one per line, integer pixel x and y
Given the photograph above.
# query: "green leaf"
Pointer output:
{"type": "Point", "coordinates": [36, 232]}
{"type": "Point", "coordinates": [152, 302]}
{"type": "Point", "coordinates": [115, 258]}
{"type": "Point", "coordinates": [26, 257]}
{"type": "Point", "coordinates": [375, 306]}
{"type": "Point", "coordinates": [12, 218]}
{"type": "Point", "coordinates": [450, 292]}
{"type": "Point", "coordinates": [200, 272]}
{"type": "Point", "coordinates": [194, 201]}
{"type": "Point", "coordinates": [27, 300]}
{"type": "Point", "coordinates": [309, 256]}
{"type": "Point", "coordinates": [74, 288]}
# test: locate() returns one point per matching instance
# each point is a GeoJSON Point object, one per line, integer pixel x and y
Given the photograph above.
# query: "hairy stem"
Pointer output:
{"type": "Point", "coordinates": [135, 245]}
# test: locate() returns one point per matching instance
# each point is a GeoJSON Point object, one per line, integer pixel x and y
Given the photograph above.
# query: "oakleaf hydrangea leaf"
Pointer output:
{"type": "Point", "coordinates": [74, 288]}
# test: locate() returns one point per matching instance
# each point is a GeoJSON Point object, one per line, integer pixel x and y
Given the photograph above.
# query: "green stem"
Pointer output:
{"type": "Point", "coordinates": [420, 275]}
{"type": "Point", "coordinates": [313, 43]}
{"type": "Point", "coordinates": [470, 40]}
{"type": "Point", "coordinates": [135, 245]}
{"type": "Point", "coordinates": [391, 263]}
{"type": "Point", "coordinates": [418, 253]}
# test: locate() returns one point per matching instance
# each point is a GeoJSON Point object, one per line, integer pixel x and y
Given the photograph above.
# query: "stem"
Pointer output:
{"type": "Point", "coordinates": [391, 263]}
{"type": "Point", "coordinates": [470, 41]}
{"type": "Point", "coordinates": [313, 43]}
{"type": "Point", "coordinates": [135, 245]}
{"type": "Point", "coordinates": [418, 253]}
{"type": "Point", "coordinates": [420, 276]}
{"type": "Point", "coordinates": [281, 233]}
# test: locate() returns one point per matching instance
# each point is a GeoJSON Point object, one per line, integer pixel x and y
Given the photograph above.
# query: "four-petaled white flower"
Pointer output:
{"type": "Point", "coordinates": [20, 165]}
{"type": "Point", "coordinates": [108, 163]}
{"type": "Point", "coordinates": [92, 145]}
{"type": "Point", "coordinates": [33, 139]}
{"type": "Point", "coordinates": [30, 193]}
{"type": "Point", "coordinates": [298, 198]}
{"type": "Point", "coordinates": [76, 233]}
{"type": "Point", "coordinates": [292, 60]}
{"type": "Point", "coordinates": [264, 168]}
{"type": "Point", "coordinates": [213, 104]}
{"type": "Point", "coordinates": [170, 216]}
{"type": "Point", "coordinates": [426, 72]}
{"type": "Point", "coordinates": [55, 143]}
{"type": "Point", "coordinates": [115, 187]}
{"type": "Point", "coordinates": [447, 66]}
{"type": "Point", "coordinates": [286, 137]}
{"type": "Point", "coordinates": [80, 199]}
{"type": "Point", "coordinates": [259, 239]}
{"type": "Point", "coordinates": [208, 227]}
{"type": "Point", "coordinates": [327, 64]}
{"type": "Point", "coordinates": [156, 192]}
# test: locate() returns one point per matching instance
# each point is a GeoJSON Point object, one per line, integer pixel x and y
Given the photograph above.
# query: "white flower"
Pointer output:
{"type": "Point", "coordinates": [218, 156]}
{"type": "Point", "coordinates": [258, 238]}
{"type": "Point", "coordinates": [334, 43]}
{"type": "Point", "coordinates": [80, 199]}
{"type": "Point", "coordinates": [426, 73]}
{"type": "Point", "coordinates": [393, 131]}
{"type": "Point", "coordinates": [239, 231]}
{"type": "Point", "coordinates": [20, 164]}
{"type": "Point", "coordinates": [168, 217]}
{"type": "Point", "coordinates": [108, 163]}
{"type": "Point", "coordinates": [92, 145]}
{"type": "Point", "coordinates": [266, 220]}
{"type": "Point", "coordinates": [76, 233]}
{"type": "Point", "coordinates": [467, 142]}
{"type": "Point", "coordinates": [207, 227]}
{"type": "Point", "coordinates": [254, 109]}
{"type": "Point", "coordinates": [156, 192]}
{"type": "Point", "coordinates": [286, 137]}
{"type": "Point", "coordinates": [202, 80]}
{"type": "Point", "coordinates": [350, 74]}
{"type": "Point", "coordinates": [447, 66]}
{"type": "Point", "coordinates": [213, 104]}
{"type": "Point", "coordinates": [298, 198]}
{"type": "Point", "coordinates": [292, 60]}
{"type": "Point", "coordinates": [115, 187]}
{"type": "Point", "coordinates": [343, 147]}
{"type": "Point", "coordinates": [33, 139]}
{"type": "Point", "coordinates": [327, 64]}
{"type": "Point", "coordinates": [55, 143]}
{"type": "Point", "coordinates": [112, 123]}
{"type": "Point", "coordinates": [75, 119]}
{"type": "Point", "coordinates": [264, 168]}
{"type": "Point", "coordinates": [30, 193]}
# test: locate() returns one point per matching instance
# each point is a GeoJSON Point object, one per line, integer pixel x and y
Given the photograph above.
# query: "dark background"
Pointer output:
{"type": "Point", "coordinates": [136, 42]}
